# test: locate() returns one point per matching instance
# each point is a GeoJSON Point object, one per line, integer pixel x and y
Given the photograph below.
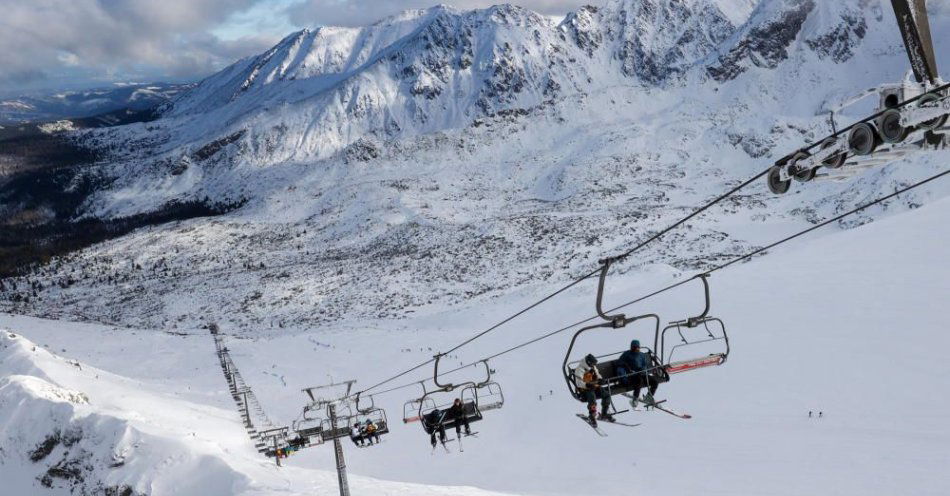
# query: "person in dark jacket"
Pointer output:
{"type": "Point", "coordinates": [457, 413]}
{"type": "Point", "coordinates": [633, 367]}
{"type": "Point", "coordinates": [435, 420]}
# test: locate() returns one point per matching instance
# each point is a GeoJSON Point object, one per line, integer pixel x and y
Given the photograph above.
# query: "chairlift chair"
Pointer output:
{"type": "Point", "coordinates": [411, 409]}
{"type": "Point", "coordinates": [344, 419]}
{"type": "Point", "coordinates": [487, 395]}
{"type": "Point", "coordinates": [372, 413]}
{"type": "Point", "coordinates": [309, 428]}
{"type": "Point", "coordinates": [470, 402]}
{"type": "Point", "coordinates": [613, 382]}
{"type": "Point", "coordinates": [713, 335]}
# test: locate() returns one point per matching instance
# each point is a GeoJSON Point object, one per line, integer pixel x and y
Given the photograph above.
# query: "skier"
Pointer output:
{"type": "Point", "coordinates": [371, 431]}
{"type": "Point", "coordinates": [356, 435]}
{"type": "Point", "coordinates": [588, 380]}
{"type": "Point", "coordinates": [457, 412]}
{"type": "Point", "coordinates": [435, 419]}
{"type": "Point", "coordinates": [633, 368]}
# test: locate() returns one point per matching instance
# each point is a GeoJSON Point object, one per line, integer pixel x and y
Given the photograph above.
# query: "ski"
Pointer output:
{"type": "Point", "coordinates": [591, 425]}
{"type": "Point", "coordinates": [674, 413]}
{"type": "Point", "coordinates": [446, 448]}
{"type": "Point", "coordinates": [656, 404]}
{"type": "Point", "coordinates": [617, 423]}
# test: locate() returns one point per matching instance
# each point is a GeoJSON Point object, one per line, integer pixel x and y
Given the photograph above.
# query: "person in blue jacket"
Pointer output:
{"type": "Point", "coordinates": [633, 367]}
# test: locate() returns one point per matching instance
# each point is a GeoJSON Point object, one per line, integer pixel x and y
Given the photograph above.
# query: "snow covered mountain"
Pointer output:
{"type": "Point", "coordinates": [386, 191]}
{"type": "Point", "coordinates": [442, 156]}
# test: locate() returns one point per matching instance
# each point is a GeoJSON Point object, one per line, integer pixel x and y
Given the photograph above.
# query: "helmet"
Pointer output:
{"type": "Point", "coordinates": [635, 343]}
{"type": "Point", "coordinates": [368, 421]}
{"type": "Point", "coordinates": [590, 360]}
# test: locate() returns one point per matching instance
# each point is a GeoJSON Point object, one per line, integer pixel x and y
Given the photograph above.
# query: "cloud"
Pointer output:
{"type": "Point", "coordinates": [362, 12]}
{"type": "Point", "coordinates": [89, 38]}
{"type": "Point", "coordinates": [59, 44]}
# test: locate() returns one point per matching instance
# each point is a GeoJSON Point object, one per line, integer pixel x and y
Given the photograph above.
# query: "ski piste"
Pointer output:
{"type": "Point", "coordinates": [591, 424]}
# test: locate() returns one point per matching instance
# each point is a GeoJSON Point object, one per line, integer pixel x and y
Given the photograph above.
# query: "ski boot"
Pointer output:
{"type": "Point", "coordinates": [606, 417]}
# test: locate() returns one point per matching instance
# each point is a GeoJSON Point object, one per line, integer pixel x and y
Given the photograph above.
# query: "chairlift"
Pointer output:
{"type": "Point", "coordinates": [486, 394]}
{"type": "Point", "coordinates": [613, 382]}
{"type": "Point", "coordinates": [440, 399]}
{"type": "Point", "coordinates": [410, 411]}
{"type": "Point", "coordinates": [344, 419]}
{"type": "Point", "coordinates": [372, 413]}
{"type": "Point", "coordinates": [701, 332]}
{"type": "Point", "coordinates": [309, 427]}
{"type": "Point", "coordinates": [315, 425]}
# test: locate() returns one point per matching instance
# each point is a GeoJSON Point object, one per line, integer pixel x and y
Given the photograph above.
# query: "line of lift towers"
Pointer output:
{"type": "Point", "coordinates": [911, 117]}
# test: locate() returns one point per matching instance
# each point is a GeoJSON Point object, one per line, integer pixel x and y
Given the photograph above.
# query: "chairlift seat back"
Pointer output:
{"type": "Point", "coordinates": [613, 382]}
{"type": "Point", "coordinates": [471, 412]}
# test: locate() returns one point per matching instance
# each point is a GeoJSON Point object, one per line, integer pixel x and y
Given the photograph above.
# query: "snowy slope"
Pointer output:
{"type": "Point", "coordinates": [68, 428]}
{"type": "Point", "coordinates": [845, 324]}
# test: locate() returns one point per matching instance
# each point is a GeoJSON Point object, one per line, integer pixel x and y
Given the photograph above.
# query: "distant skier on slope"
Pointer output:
{"type": "Point", "coordinates": [633, 367]}
{"type": "Point", "coordinates": [457, 412]}
{"type": "Point", "coordinates": [435, 419]}
{"type": "Point", "coordinates": [588, 380]}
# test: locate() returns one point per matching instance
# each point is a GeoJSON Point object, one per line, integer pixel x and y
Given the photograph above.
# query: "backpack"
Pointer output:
{"type": "Point", "coordinates": [590, 377]}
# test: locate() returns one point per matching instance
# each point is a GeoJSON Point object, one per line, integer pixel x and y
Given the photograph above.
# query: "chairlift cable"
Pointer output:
{"type": "Point", "coordinates": [831, 220]}
{"type": "Point", "coordinates": [578, 280]}
{"type": "Point", "coordinates": [735, 260]}
{"type": "Point", "coordinates": [698, 211]}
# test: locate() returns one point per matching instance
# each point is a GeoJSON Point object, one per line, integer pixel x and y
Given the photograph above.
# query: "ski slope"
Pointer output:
{"type": "Point", "coordinates": [850, 324]}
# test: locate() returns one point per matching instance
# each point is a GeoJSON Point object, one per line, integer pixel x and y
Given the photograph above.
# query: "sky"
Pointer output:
{"type": "Point", "coordinates": [52, 45]}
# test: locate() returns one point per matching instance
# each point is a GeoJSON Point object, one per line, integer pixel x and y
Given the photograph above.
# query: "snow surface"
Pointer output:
{"type": "Point", "coordinates": [410, 182]}
{"type": "Point", "coordinates": [848, 324]}
{"type": "Point", "coordinates": [158, 435]}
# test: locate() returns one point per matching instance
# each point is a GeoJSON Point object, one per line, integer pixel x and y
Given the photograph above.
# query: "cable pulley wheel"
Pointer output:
{"type": "Point", "coordinates": [776, 184]}
{"type": "Point", "coordinates": [801, 174]}
{"type": "Point", "coordinates": [936, 122]}
{"type": "Point", "coordinates": [835, 161]}
{"type": "Point", "coordinates": [863, 139]}
{"type": "Point", "coordinates": [890, 126]}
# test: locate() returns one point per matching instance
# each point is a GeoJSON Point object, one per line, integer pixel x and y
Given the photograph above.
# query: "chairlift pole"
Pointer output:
{"type": "Point", "coordinates": [338, 451]}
